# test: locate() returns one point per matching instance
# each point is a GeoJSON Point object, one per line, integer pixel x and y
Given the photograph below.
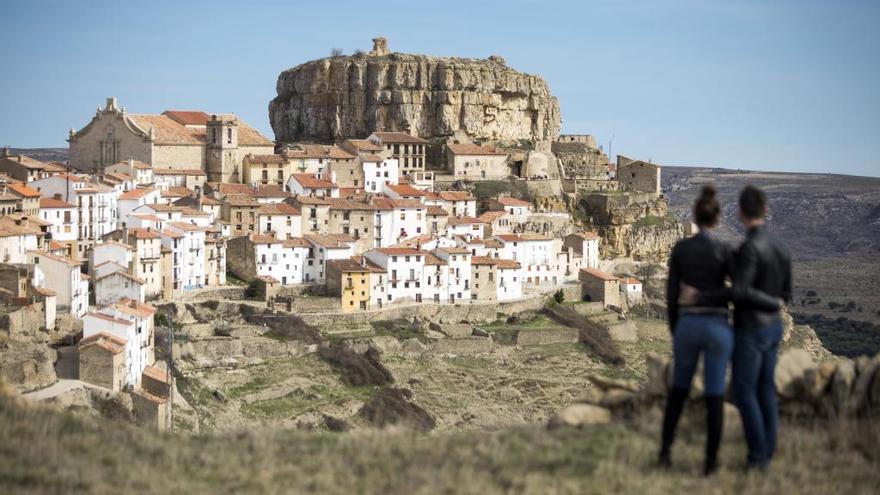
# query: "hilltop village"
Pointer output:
{"type": "Point", "coordinates": [166, 207]}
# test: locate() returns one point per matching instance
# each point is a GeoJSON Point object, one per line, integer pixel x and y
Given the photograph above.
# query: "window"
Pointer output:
{"type": "Point", "coordinates": [228, 135]}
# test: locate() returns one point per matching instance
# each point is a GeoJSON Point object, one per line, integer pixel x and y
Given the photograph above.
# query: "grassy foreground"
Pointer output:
{"type": "Point", "coordinates": [44, 451]}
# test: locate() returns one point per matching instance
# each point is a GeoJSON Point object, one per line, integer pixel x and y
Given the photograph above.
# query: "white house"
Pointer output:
{"type": "Point", "coordinates": [399, 219]}
{"type": "Point", "coordinates": [16, 239]}
{"type": "Point", "coordinates": [95, 323]}
{"type": "Point", "coordinates": [130, 201]}
{"type": "Point", "coordinates": [309, 185]}
{"type": "Point", "coordinates": [96, 205]}
{"type": "Point", "coordinates": [283, 260]}
{"type": "Point", "coordinates": [142, 316]}
{"type": "Point", "coordinates": [518, 209]}
{"type": "Point", "coordinates": [379, 172]}
{"type": "Point", "coordinates": [535, 254]}
{"type": "Point", "coordinates": [110, 251]}
{"type": "Point", "coordinates": [459, 278]}
{"type": "Point", "coordinates": [458, 203]}
{"type": "Point", "coordinates": [323, 249]}
{"type": "Point", "coordinates": [282, 220]}
{"type": "Point", "coordinates": [468, 227]}
{"type": "Point", "coordinates": [63, 276]}
{"type": "Point", "coordinates": [631, 289]}
{"type": "Point", "coordinates": [62, 216]}
{"type": "Point", "coordinates": [192, 265]}
{"type": "Point", "coordinates": [117, 285]}
{"type": "Point", "coordinates": [435, 279]}
{"type": "Point", "coordinates": [405, 268]}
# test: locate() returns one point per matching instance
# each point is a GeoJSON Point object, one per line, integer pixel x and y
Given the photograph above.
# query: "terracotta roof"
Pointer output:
{"type": "Point", "coordinates": [23, 190]}
{"type": "Point", "coordinates": [398, 137]}
{"type": "Point", "coordinates": [111, 319]}
{"type": "Point", "coordinates": [169, 130]}
{"type": "Point", "coordinates": [136, 193]}
{"type": "Point", "coordinates": [275, 159]}
{"type": "Point", "coordinates": [508, 201]}
{"type": "Point", "coordinates": [491, 216]}
{"type": "Point", "coordinates": [113, 243]}
{"type": "Point", "coordinates": [54, 168]}
{"type": "Point", "coordinates": [329, 241]}
{"type": "Point", "coordinates": [279, 209]}
{"type": "Point", "coordinates": [454, 250]}
{"type": "Point", "coordinates": [263, 239]}
{"type": "Point", "coordinates": [406, 190]}
{"type": "Point", "coordinates": [371, 158]}
{"type": "Point", "coordinates": [349, 204]}
{"type": "Point", "coordinates": [309, 181]}
{"type": "Point", "coordinates": [134, 308]}
{"type": "Point", "coordinates": [388, 203]}
{"type": "Point", "coordinates": [262, 191]}
{"type": "Point", "coordinates": [352, 192]}
{"type": "Point", "coordinates": [147, 217]}
{"type": "Point", "coordinates": [43, 291]}
{"type": "Point", "coordinates": [311, 200]}
{"type": "Point", "coordinates": [463, 221]}
{"type": "Point", "coordinates": [598, 274]}
{"type": "Point", "coordinates": [630, 280]}
{"type": "Point", "coordinates": [54, 203]}
{"type": "Point", "coordinates": [118, 176]}
{"type": "Point", "coordinates": [522, 237]}
{"type": "Point", "coordinates": [474, 149]}
{"type": "Point", "coordinates": [157, 374]}
{"type": "Point", "coordinates": [241, 200]}
{"type": "Point", "coordinates": [178, 171]}
{"type": "Point", "coordinates": [456, 195]}
{"type": "Point", "coordinates": [176, 192]}
{"type": "Point", "coordinates": [363, 145]}
{"type": "Point", "coordinates": [186, 226]}
{"type": "Point", "coordinates": [430, 259]}
{"type": "Point", "coordinates": [295, 242]}
{"type": "Point", "coordinates": [172, 234]}
{"type": "Point", "coordinates": [187, 117]}
{"type": "Point", "coordinates": [399, 251]}
{"type": "Point", "coordinates": [62, 259]}
{"type": "Point", "coordinates": [107, 341]}
{"type": "Point", "coordinates": [357, 265]}
{"type": "Point", "coordinates": [437, 211]}
{"type": "Point", "coordinates": [25, 161]}
{"type": "Point", "coordinates": [134, 163]}
{"type": "Point", "coordinates": [319, 151]}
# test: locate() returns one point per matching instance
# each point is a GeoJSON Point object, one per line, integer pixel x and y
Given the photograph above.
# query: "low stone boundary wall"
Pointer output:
{"type": "Point", "coordinates": [548, 336]}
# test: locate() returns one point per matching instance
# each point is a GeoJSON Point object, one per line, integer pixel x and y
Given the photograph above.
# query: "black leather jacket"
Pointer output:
{"type": "Point", "coordinates": [763, 265]}
{"type": "Point", "coordinates": [704, 262]}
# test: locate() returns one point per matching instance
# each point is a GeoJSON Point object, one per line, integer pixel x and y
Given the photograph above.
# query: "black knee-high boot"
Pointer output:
{"type": "Point", "coordinates": [674, 404]}
{"type": "Point", "coordinates": [714, 427]}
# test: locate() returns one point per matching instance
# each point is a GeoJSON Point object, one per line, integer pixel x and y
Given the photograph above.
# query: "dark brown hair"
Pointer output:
{"type": "Point", "coordinates": [706, 209]}
{"type": "Point", "coordinates": [752, 203]}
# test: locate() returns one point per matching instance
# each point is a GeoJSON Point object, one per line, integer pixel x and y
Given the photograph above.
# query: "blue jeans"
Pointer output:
{"type": "Point", "coordinates": [754, 392]}
{"type": "Point", "coordinates": [710, 335]}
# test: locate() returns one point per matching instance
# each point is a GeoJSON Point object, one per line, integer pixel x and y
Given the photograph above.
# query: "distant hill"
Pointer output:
{"type": "Point", "coordinates": [819, 215]}
{"type": "Point", "coordinates": [42, 154]}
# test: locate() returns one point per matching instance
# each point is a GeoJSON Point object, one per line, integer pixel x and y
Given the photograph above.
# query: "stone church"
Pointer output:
{"type": "Point", "coordinates": [185, 140]}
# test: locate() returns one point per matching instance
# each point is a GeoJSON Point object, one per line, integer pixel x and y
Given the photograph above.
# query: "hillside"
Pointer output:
{"type": "Point", "coordinates": [45, 451]}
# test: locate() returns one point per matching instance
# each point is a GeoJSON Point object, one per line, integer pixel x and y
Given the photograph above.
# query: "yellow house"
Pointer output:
{"type": "Point", "coordinates": [350, 280]}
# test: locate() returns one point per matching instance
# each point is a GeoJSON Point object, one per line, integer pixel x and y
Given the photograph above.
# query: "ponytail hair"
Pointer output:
{"type": "Point", "coordinates": [707, 210]}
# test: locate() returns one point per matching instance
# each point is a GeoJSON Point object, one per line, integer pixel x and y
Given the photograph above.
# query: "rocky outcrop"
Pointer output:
{"type": "Point", "coordinates": [28, 365]}
{"type": "Point", "coordinates": [636, 225]}
{"type": "Point", "coordinates": [431, 97]}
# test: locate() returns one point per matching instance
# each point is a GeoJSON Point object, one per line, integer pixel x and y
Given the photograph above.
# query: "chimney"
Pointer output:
{"type": "Point", "coordinates": [363, 261]}
{"type": "Point", "coordinates": [57, 196]}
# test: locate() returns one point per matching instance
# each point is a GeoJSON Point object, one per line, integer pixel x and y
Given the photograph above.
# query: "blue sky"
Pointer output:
{"type": "Point", "coordinates": [769, 85]}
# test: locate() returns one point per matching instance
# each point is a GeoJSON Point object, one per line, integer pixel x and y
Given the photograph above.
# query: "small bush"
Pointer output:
{"type": "Point", "coordinates": [336, 52]}
{"type": "Point", "coordinates": [357, 369]}
{"type": "Point", "coordinates": [391, 406]}
{"type": "Point", "coordinates": [559, 296]}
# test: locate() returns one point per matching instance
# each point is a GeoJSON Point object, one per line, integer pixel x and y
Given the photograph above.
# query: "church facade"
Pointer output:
{"type": "Point", "coordinates": [175, 139]}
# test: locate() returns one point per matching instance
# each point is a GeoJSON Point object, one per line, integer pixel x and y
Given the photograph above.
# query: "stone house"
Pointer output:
{"type": "Point", "coordinates": [409, 151]}
{"type": "Point", "coordinates": [345, 174]}
{"type": "Point", "coordinates": [215, 144]}
{"type": "Point", "coordinates": [314, 158]}
{"type": "Point", "coordinates": [28, 198]}
{"type": "Point", "coordinates": [241, 212]}
{"type": "Point", "coordinates": [141, 172]}
{"type": "Point", "coordinates": [600, 286]}
{"type": "Point", "coordinates": [169, 178]}
{"type": "Point", "coordinates": [354, 218]}
{"type": "Point", "coordinates": [254, 255]}
{"type": "Point", "coordinates": [496, 279]}
{"type": "Point", "coordinates": [315, 213]}
{"type": "Point", "coordinates": [24, 285]}
{"type": "Point", "coordinates": [102, 361]}
{"type": "Point", "coordinates": [437, 220]}
{"type": "Point", "coordinates": [475, 162]}
{"type": "Point", "coordinates": [266, 169]}
{"type": "Point", "coordinates": [215, 257]}
{"type": "Point", "coordinates": [636, 175]}
{"type": "Point", "coordinates": [21, 168]}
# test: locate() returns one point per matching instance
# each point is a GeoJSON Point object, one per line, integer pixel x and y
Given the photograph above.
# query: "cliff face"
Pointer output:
{"type": "Point", "coordinates": [633, 225]}
{"type": "Point", "coordinates": [351, 96]}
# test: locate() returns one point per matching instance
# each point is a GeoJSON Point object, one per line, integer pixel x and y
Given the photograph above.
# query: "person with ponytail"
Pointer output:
{"type": "Point", "coordinates": [703, 262]}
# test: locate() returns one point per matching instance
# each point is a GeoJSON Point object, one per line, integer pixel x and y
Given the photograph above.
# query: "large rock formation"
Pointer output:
{"type": "Point", "coordinates": [636, 225]}
{"type": "Point", "coordinates": [431, 97]}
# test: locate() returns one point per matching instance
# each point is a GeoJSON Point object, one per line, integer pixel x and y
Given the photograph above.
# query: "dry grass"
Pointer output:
{"type": "Point", "coordinates": [48, 452]}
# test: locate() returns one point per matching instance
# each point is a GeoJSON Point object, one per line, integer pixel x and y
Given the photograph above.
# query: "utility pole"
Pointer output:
{"type": "Point", "coordinates": [169, 410]}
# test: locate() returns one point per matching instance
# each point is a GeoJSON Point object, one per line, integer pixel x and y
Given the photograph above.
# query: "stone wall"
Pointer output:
{"type": "Point", "coordinates": [24, 321]}
{"type": "Point", "coordinates": [102, 368]}
{"type": "Point", "coordinates": [149, 411]}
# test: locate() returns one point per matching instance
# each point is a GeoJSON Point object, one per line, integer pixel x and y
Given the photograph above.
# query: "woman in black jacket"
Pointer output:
{"type": "Point", "coordinates": [703, 262]}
